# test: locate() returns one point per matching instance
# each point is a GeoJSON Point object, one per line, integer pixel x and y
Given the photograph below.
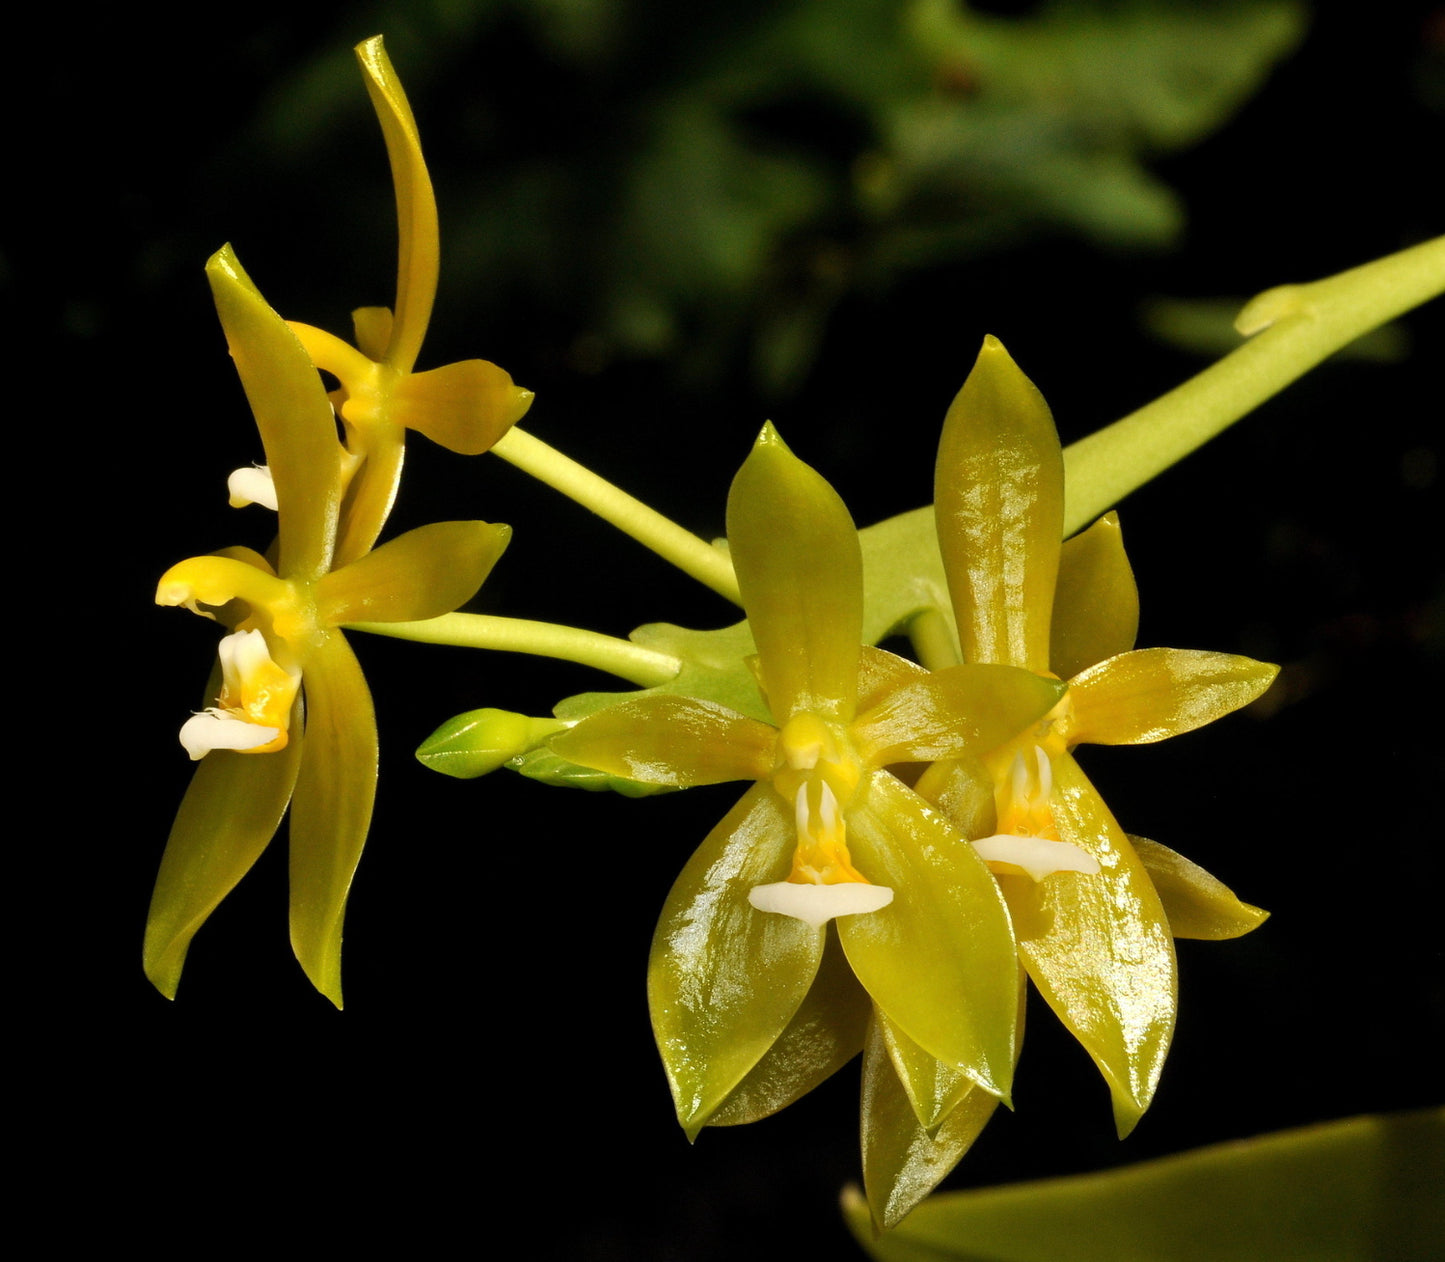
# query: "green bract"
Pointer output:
{"type": "Point", "coordinates": [825, 835]}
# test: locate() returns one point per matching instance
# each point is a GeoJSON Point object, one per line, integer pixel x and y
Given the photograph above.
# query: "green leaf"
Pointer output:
{"type": "Point", "coordinates": [1359, 1190]}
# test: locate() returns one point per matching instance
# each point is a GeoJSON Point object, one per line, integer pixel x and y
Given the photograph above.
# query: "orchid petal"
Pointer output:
{"type": "Point", "coordinates": [665, 739]}
{"type": "Point", "coordinates": [933, 1089]}
{"type": "Point", "coordinates": [372, 326]}
{"type": "Point", "coordinates": [952, 712]}
{"type": "Point", "coordinates": [1197, 904]}
{"type": "Point", "coordinates": [1099, 948]}
{"type": "Point", "coordinates": [1151, 694]}
{"type": "Point", "coordinates": [293, 414]}
{"type": "Point", "coordinates": [801, 577]}
{"type": "Point", "coordinates": [1096, 604]}
{"type": "Point", "coordinates": [824, 1035]}
{"type": "Point", "coordinates": [999, 502]}
{"type": "Point", "coordinates": [331, 808]}
{"type": "Point", "coordinates": [422, 574]}
{"type": "Point", "coordinates": [940, 959]}
{"type": "Point", "coordinates": [227, 818]}
{"type": "Point", "coordinates": [349, 366]}
{"type": "Point", "coordinates": [465, 407]}
{"type": "Point", "coordinates": [418, 249]}
{"type": "Point", "coordinates": [902, 1161]}
{"type": "Point", "coordinates": [724, 981]}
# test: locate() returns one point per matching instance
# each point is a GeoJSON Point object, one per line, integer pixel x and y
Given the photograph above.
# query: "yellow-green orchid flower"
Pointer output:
{"type": "Point", "coordinates": [827, 844]}
{"type": "Point", "coordinates": [464, 406]}
{"type": "Point", "coordinates": [293, 720]}
{"type": "Point", "coordinates": [1097, 940]}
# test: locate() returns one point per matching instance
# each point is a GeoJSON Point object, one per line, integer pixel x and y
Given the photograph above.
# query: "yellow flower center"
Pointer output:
{"type": "Point", "coordinates": [818, 774]}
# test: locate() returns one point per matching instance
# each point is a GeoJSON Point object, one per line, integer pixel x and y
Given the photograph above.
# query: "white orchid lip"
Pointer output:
{"type": "Point", "coordinates": [1037, 856]}
{"type": "Point", "coordinates": [818, 904]}
{"type": "Point", "coordinates": [252, 485]}
{"type": "Point", "coordinates": [219, 729]}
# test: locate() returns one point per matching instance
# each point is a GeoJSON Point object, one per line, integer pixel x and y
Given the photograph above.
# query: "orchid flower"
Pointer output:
{"type": "Point", "coordinates": [826, 844]}
{"type": "Point", "coordinates": [293, 720]}
{"type": "Point", "coordinates": [466, 406]}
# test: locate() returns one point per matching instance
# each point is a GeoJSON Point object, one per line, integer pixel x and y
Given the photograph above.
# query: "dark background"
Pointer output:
{"type": "Point", "coordinates": [494, 1062]}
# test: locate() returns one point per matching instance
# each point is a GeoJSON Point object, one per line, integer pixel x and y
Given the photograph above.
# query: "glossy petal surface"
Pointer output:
{"type": "Point", "coordinates": [1096, 603]}
{"type": "Point", "coordinates": [1197, 904]}
{"type": "Point", "coordinates": [424, 573]}
{"type": "Point", "coordinates": [723, 981]}
{"type": "Point", "coordinates": [940, 959]}
{"type": "Point", "coordinates": [1099, 948]}
{"type": "Point", "coordinates": [805, 599]}
{"type": "Point", "coordinates": [902, 1161]}
{"type": "Point", "coordinates": [1151, 694]}
{"type": "Point", "coordinates": [952, 712]}
{"type": "Point", "coordinates": [418, 249]}
{"type": "Point", "coordinates": [292, 413]}
{"type": "Point", "coordinates": [331, 810]}
{"type": "Point", "coordinates": [824, 1035]}
{"type": "Point", "coordinates": [465, 407]}
{"type": "Point", "coordinates": [229, 814]}
{"type": "Point", "coordinates": [664, 739]}
{"type": "Point", "coordinates": [998, 499]}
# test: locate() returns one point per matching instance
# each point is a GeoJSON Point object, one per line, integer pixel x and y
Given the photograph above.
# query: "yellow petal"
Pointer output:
{"type": "Point", "coordinates": [293, 414]}
{"type": "Point", "coordinates": [422, 574]}
{"type": "Point", "coordinates": [952, 712]}
{"type": "Point", "coordinates": [999, 504]}
{"type": "Point", "coordinates": [465, 406]}
{"type": "Point", "coordinates": [933, 1088]}
{"type": "Point", "coordinates": [1151, 694]}
{"type": "Point", "coordinates": [1099, 949]}
{"type": "Point", "coordinates": [902, 1161]}
{"type": "Point", "coordinates": [724, 981]}
{"type": "Point", "coordinates": [331, 808]}
{"type": "Point", "coordinates": [355, 371]}
{"type": "Point", "coordinates": [800, 572]}
{"type": "Point", "coordinates": [229, 814]}
{"type": "Point", "coordinates": [666, 739]}
{"type": "Point", "coordinates": [416, 210]}
{"type": "Point", "coordinates": [1198, 905]}
{"type": "Point", "coordinates": [946, 935]}
{"type": "Point", "coordinates": [373, 327]}
{"type": "Point", "coordinates": [823, 1036]}
{"type": "Point", "coordinates": [1096, 604]}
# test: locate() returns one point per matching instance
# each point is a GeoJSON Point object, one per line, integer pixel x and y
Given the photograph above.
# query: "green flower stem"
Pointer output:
{"type": "Point", "coordinates": [622, 658]}
{"type": "Point", "coordinates": [933, 640]}
{"type": "Point", "coordinates": [1291, 329]}
{"type": "Point", "coordinates": [693, 556]}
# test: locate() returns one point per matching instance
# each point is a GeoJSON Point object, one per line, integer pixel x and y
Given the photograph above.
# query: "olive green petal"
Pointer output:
{"type": "Point", "coordinates": [940, 958]}
{"type": "Point", "coordinates": [422, 574]}
{"type": "Point", "coordinates": [665, 739]}
{"type": "Point", "coordinates": [465, 407]}
{"type": "Point", "coordinates": [933, 1088]}
{"type": "Point", "coordinates": [724, 980]}
{"type": "Point", "coordinates": [1151, 694]}
{"type": "Point", "coordinates": [298, 428]}
{"type": "Point", "coordinates": [1098, 947]}
{"type": "Point", "coordinates": [999, 507]}
{"type": "Point", "coordinates": [227, 818]}
{"type": "Point", "coordinates": [823, 1036]}
{"type": "Point", "coordinates": [800, 572]}
{"type": "Point", "coordinates": [1197, 904]}
{"type": "Point", "coordinates": [331, 809]}
{"type": "Point", "coordinates": [418, 248]}
{"type": "Point", "coordinates": [880, 672]}
{"type": "Point", "coordinates": [1096, 604]}
{"type": "Point", "coordinates": [903, 1162]}
{"type": "Point", "coordinates": [962, 790]}
{"type": "Point", "coordinates": [959, 710]}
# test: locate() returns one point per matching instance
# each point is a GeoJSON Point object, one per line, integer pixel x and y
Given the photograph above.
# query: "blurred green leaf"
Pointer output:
{"type": "Point", "coordinates": [1361, 1190]}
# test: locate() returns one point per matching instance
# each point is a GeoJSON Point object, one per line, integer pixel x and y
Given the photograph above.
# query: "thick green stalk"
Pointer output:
{"type": "Point", "coordinates": [1290, 330]}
